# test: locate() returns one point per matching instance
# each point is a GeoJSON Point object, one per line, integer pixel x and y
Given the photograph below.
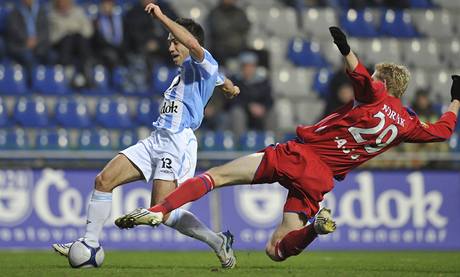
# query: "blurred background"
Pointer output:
{"type": "Point", "coordinates": [82, 79]}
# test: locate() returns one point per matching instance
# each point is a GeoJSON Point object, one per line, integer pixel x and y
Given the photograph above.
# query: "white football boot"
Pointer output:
{"type": "Point", "coordinates": [225, 253]}
{"type": "Point", "coordinates": [139, 216]}
{"type": "Point", "coordinates": [63, 248]}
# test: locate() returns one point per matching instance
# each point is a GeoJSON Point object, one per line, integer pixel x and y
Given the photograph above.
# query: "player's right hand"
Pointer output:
{"type": "Point", "coordinates": [340, 39]}
{"type": "Point", "coordinates": [455, 89]}
{"type": "Point", "coordinates": [153, 10]}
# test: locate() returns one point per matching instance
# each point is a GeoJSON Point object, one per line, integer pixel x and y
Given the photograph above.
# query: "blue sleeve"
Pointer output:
{"type": "Point", "coordinates": [208, 67]}
{"type": "Point", "coordinates": [220, 79]}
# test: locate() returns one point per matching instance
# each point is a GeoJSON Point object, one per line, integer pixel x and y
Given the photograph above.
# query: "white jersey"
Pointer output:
{"type": "Point", "coordinates": [187, 96]}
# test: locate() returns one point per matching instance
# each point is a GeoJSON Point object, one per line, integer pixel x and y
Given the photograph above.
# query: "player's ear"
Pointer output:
{"type": "Point", "coordinates": [385, 84]}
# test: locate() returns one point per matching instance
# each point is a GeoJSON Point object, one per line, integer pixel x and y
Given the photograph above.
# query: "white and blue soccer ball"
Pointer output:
{"type": "Point", "coordinates": [81, 255]}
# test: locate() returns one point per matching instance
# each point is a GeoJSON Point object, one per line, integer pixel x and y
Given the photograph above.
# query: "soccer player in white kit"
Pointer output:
{"type": "Point", "coordinates": [169, 154]}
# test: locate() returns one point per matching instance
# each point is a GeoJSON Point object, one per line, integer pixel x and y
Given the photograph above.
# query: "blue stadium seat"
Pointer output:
{"type": "Point", "coordinates": [12, 80]}
{"type": "Point", "coordinates": [119, 82]}
{"type": "Point", "coordinates": [2, 48]}
{"type": "Point", "coordinates": [345, 4]}
{"type": "Point", "coordinates": [127, 138]}
{"type": "Point", "coordinates": [117, 2]}
{"type": "Point", "coordinates": [50, 80]}
{"type": "Point", "coordinates": [305, 54]}
{"type": "Point", "coordinates": [72, 113]}
{"type": "Point", "coordinates": [91, 9]}
{"type": "Point", "coordinates": [162, 78]}
{"type": "Point", "coordinates": [321, 81]}
{"type": "Point", "coordinates": [397, 24]}
{"type": "Point", "coordinates": [359, 23]}
{"type": "Point", "coordinates": [95, 140]}
{"type": "Point", "coordinates": [3, 16]}
{"type": "Point", "coordinates": [217, 141]}
{"type": "Point", "coordinates": [14, 139]}
{"type": "Point", "coordinates": [4, 117]}
{"type": "Point", "coordinates": [31, 112]}
{"type": "Point", "coordinates": [421, 4]}
{"type": "Point", "coordinates": [113, 113]}
{"type": "Point", "coordinates": [128, 82]}
{"type": "Point", "coordinates": [254, 140]}
{"type": "Point", "coordinates": [101, 82]}
{"type": "Point", "coordinates": [52, 140]}
{"type": "Point", "coordinates": [147, 111]}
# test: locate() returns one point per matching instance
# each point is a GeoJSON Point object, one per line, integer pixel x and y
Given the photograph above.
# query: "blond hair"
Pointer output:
{"type": "Point", "coordinates": [396, 76]}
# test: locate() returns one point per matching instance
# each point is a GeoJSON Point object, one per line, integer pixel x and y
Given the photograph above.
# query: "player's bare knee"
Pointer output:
{"type": "Point", "coordinates": [103, 183]}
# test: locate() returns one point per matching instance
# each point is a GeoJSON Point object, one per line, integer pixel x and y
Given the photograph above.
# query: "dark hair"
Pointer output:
{"type": "Point", "coordinates": [194, 28]}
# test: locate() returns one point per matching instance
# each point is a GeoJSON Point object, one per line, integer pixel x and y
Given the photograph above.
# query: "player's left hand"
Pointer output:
{"type": "Point", "coordinates": [340, 39]}
{"type": "Point", "coordinates": [154, 10]}
{"type": "Point", "coordinates": [455, 89]}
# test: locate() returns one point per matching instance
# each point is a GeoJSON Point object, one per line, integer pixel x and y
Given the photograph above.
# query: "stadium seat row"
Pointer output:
{"type": "Point", "coordinates": [304, 82]}
{"type": "Point", "coordinates": [74, 113]}
{"type": "Point", "coordinates": [56, 80]}
{"type": "Point", "coordinates": [61, 139]}
{"type": "Point", "coordinates": [422, 53]}
{"type": "Point", "coordinates": [107, 139]}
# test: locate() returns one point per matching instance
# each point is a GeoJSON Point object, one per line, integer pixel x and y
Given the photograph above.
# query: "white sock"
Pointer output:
{"type": "Point", "coordinates": [98, 212]}
{"type": "Point", "coordinates": [188, 224]}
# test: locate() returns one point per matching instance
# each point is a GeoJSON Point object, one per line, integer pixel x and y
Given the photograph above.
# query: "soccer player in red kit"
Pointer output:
{"type": "Point", "coordinates": [369, 125]}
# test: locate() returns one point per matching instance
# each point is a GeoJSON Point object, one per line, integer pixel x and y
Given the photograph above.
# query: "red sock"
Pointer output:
{"type": "Point", "coordinates": [190, 190]}
{"type": "Point", "coordinates": [294, 242]}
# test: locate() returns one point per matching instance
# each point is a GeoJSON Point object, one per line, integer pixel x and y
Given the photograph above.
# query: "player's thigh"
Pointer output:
{"type": "Point", "coordinates": [239, 171]}
{"type": "Point", "coordinates": [290, 222]}
{"type": "Point", "coordinates": [120, 170]}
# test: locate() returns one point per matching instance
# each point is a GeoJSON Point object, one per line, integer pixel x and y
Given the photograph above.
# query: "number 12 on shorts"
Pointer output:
{"type": "Point", "coordinates": [166, 163]}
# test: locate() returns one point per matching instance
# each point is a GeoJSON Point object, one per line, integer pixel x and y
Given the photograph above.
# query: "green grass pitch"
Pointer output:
{"type": "Point", "coordinates": [316, 263]}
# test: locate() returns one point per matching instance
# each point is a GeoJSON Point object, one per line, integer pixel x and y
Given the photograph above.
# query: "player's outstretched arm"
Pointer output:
{"type": "Point", "coordinates": [445, 126]}
{"type": "Point", "coordinates": [340, 39]}
{"type": "Point", "coordinates": [179, 32]}
{"type": "Point", "coordinates": [455, 95]}
{"type": "Point", "coordinates": [229, 89]}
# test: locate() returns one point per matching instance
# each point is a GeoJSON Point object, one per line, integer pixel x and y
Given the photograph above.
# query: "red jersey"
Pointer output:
{"type": "Point", "coordinates": [368, 126]}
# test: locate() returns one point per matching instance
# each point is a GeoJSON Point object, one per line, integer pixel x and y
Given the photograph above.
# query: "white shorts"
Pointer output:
{"type": "Point", "coordinates": [165, 155]}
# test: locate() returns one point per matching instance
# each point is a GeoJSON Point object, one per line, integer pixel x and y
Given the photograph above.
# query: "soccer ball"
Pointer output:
{"type": "Point", "coordinates": [82, 255]}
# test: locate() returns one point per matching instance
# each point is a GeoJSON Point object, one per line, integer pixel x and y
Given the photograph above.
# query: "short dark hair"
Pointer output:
{"type": "Point", "coordinates": [194, 28]}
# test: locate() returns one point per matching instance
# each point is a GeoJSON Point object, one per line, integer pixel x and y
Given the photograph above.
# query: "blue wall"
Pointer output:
{"type": "Point", "coordinates": [373, 210]}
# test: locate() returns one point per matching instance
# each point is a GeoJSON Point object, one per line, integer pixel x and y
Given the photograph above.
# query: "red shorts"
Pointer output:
{"type": "Point", "coordinates": [296, 167]}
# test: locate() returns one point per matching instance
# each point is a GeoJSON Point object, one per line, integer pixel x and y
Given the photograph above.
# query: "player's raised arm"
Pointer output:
{"type": "Point", "coordinates": [364, 88]}
{"type": "Point", "coordinates": [179, 32]}
{"type": "Point", "coordinates": [340, 39]}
